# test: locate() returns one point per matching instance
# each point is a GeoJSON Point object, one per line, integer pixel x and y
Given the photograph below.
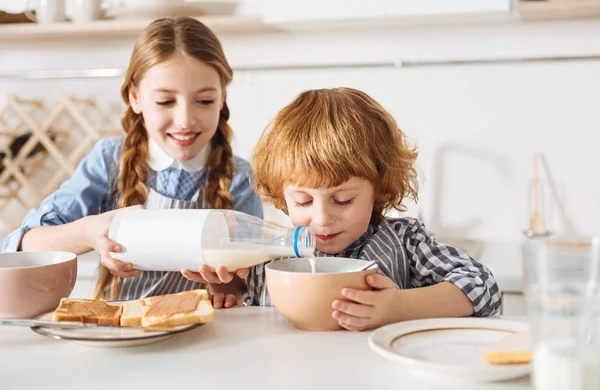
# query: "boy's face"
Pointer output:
{"type": "Point", "coordinates": [338, 215]}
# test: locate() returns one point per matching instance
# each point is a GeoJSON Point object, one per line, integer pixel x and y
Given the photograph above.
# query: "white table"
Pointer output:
{"type": "Point", "coordinates": [247, 347]}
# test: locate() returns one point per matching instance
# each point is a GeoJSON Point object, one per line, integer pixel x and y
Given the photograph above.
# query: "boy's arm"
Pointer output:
{"type": "Point", "coordinates": [445, 280]}
{"type": "Point", "coordinates": [439, 300]}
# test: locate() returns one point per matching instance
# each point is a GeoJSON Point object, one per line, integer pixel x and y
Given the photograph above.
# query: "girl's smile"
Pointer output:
{"type": "Point", "coordinates": [184, 138]}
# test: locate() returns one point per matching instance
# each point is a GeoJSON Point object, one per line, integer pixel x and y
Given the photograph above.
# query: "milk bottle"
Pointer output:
{"type": "Point", "coordinates": [177, 239]}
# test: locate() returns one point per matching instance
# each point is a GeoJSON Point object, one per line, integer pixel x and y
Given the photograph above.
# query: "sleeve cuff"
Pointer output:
{"type": "Point", "coordinates": [13, 241]}
{"type": "Point", "coordinates": [484, 295]}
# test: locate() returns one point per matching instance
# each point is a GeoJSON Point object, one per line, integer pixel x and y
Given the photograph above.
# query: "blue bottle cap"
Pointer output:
{"type": "Point", "coordinates": [296, 234]}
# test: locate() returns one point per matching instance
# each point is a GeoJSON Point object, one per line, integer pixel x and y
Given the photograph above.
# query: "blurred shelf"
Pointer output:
{"type": "Point", "coordinates": [109, 29]}
{"type": "Point", "coordinates": [537, 10]}
{"type": "Point", "coordinates": [528, 10]}
{"type": "Point", "coordinates": [229, 25]}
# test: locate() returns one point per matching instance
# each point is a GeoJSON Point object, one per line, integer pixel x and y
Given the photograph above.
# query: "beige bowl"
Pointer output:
{"type": "Point", "coordinates": [305, 298]}
{"type": "Point", "coordinates": [32, 283]}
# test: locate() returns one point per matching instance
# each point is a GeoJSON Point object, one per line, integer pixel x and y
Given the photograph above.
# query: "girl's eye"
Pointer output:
{"type": "Point", "coordinates": [303, 204]}
{"type": "Point", "coordinates": [165, 103]}
{"type": "Point", "coordinates": [344, 202]}
{"type": "Point", "coordinates": [207, 102]}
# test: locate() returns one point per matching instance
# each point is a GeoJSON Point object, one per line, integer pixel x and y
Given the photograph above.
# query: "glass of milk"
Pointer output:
{"type": "Point", "coordinates": [563, 303]}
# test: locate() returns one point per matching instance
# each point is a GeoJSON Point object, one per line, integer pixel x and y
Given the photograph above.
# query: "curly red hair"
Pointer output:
{"type": "Point", "coordinates": [324, 137]}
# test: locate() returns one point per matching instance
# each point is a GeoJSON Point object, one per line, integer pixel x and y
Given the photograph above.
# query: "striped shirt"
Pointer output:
{"type": "Point", "coordinates": [410, 256]}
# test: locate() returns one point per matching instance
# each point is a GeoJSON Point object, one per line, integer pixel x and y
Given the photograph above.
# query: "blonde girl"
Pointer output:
{"type": "Point", "coordinates": [176, 154]}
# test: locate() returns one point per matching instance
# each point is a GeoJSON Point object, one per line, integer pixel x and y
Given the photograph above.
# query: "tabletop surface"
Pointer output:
{"type": "Point", "coordinates": [249, 347]}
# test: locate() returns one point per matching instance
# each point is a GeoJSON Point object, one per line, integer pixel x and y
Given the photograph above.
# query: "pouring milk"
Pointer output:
{"type": "Point", "coordinates": [177, 239]}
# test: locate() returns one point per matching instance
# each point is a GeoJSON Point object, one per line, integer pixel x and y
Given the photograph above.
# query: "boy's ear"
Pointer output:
{"type": "Point", "coordinates": [134, 100]}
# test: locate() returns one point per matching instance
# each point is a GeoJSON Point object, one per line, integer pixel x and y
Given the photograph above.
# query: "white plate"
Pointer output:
{"type": "Point", "coordinates": [108, 337]}
{"type": "Point", "coordinates": [451, 347]}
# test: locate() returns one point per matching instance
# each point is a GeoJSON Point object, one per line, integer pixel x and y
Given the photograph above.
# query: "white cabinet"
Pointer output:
{"type": "Point", "coordinates": [321, 10]}
{"type": "Point", "coordinates": [445, 7]}
{"type": "Point", "coordinates": [334, 10]}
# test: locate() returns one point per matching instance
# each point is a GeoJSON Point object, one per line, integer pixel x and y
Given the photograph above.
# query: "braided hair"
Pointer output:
{"type": "Point", "coordinates": [157, 43]}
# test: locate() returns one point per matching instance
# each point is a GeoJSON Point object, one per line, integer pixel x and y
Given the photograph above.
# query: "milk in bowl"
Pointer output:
{"type": "Point", "coordinates": [304, 297]}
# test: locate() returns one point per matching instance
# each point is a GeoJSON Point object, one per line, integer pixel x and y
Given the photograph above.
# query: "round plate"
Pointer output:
{"type": "Point", "coordinates": [451, 347]}
{"type": "Point", "coordinates": [107, 336]}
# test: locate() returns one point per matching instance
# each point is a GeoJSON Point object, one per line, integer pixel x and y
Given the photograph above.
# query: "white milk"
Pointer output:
{"type": "Point", "coordinates": [560, 366]}
{"type": "Point", "coordinates": [236, 255]}
{"type": "Point", "coordinates": [313, 264]}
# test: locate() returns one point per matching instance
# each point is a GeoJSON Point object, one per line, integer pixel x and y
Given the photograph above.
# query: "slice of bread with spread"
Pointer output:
{"type": "Point", "coordinates": [162, 312]}
{"type": "Point", "coordinates": [132, 313]}
{"type": "Point", "coordinates": [88, 311]}
{"type": "Point", "coordinates": [173, 310]}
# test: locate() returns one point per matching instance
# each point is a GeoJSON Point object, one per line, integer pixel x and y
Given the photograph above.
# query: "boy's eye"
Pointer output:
{"type": "Point", "coordinates": [165, 102]}
{"type": "Point", "coordinates": [343, 202]}
{"type": "Point", "coordinates": [206, 102]}
{"type": "Point", "coordinates": [303, 204]}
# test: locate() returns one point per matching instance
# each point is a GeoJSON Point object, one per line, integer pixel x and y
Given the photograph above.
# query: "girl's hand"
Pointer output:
{"type": "Point", "coordinates": [368, 309]}
{"type": "Point", "coordinates": [97, 232]}
{"type": "Point", "coordinates": [221, 275]}
{"type": "Point", "coordinates": [220, 300]}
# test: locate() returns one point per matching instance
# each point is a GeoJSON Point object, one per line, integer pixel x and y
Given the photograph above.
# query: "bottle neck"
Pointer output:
{"type": "Point", "coordinates": [304, 242]}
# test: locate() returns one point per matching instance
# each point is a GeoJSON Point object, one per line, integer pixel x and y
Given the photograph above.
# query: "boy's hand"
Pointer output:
{"type": "Point", "coordinates": [367, 309]}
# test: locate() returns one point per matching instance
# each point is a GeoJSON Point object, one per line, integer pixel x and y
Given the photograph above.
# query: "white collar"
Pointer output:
{"type": "Point", "coordinates": [159, 160]}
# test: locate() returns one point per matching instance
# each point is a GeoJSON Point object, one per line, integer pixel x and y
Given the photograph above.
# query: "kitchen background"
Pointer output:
{"type": "Point", "coordinates": [528, 86]}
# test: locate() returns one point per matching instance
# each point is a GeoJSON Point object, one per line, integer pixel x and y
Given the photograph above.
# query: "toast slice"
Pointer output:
{"type": "Point", "coordinates": [132, 313]}
{"type": "Point", "coordinates": [512, 349]}
{"type": "Point", "coordinates": [184, 308]}
{"type": "Point", "coordinates": [88, 311]}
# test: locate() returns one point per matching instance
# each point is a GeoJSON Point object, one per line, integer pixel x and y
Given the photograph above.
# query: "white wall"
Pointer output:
{"type": "Point", "coordinates": [476, 126]}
